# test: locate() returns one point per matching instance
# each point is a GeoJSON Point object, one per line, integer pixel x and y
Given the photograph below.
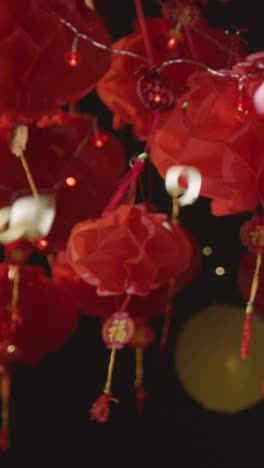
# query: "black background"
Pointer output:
{"type": "Point", "coordinates": [49, 407]}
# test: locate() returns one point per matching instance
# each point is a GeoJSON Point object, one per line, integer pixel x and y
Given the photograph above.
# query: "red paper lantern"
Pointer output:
{"type": "Point", "coordinates": [130, 251]}
{"type": "Point", "coordinates": [220, 133]}
{"type": "Point", "coordinates": [35, 77]}
{"type": "Point", "coordinates": [140, 308]}
{"type": "Point", "coordinates": [117, 88]}
{"type": "Point", "coordinates": [45, 314]}
{"type": "Point", "coordinates": [64, 158]}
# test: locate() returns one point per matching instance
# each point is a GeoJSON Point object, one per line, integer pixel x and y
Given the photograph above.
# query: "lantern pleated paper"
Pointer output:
{"type": "Point", "coordinates": [215, 128]}
{"type": "Point", "coordinates": [41, 320]}
{"type": "Point", "coordinates": [130, 251]}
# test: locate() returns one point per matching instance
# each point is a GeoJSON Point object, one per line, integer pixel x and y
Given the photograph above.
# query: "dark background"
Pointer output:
{"type": "Point", "coordinates": [49, 407]}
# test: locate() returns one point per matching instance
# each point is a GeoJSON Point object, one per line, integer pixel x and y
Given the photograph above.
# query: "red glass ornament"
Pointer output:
{"type": "Point", "coordinates": [152, 92]}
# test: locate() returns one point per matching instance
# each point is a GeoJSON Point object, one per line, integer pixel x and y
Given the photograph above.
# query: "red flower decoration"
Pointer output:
{"type": "Point", "coordinates": [118, 87]}
{"type": "Point", "coordinates": [220, 133]}
{"type": "Point", "coordinates": [130, 251]}
{"type": "Point", "coordinates": [35, 77]}
{"type": "Point", "coordinates": [47, 316]}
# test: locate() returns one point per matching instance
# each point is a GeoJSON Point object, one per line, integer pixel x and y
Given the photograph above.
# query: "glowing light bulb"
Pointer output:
{"type": "Point", "coordinates": [11, 349]}
{"type": "Point", "coordinates": [73, 58]}
{"type": "Point", "coordinates": [172, 43]}
{"type": "Point", "coordinates": [99, 143]}
{"type": "Point", "coordinates": [70, 181]}
{"type": "Point", "coordinates": [220, 271]}
{"type": "Point", "coordinates": [42, 243]}
{"type": "Point", "coordinates": [157, 98]}
{"type": "Point", "coordinates": [207, 251]}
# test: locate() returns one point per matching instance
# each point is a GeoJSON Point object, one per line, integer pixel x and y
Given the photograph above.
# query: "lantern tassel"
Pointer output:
{"type": "Point", "coordinates": [5, 396]}
{"type": "Point", "coordinates": [17, 146]}
{"type": "Point", "coordinates": [247, 330]}
{"type": "Point", "coordinates": [168, 312]}
{"type": "Point", "coordinates": [127, 181]}
{"type": "Point", "coordinates": [100, 410]}
{"type": "Point", "coordinates": [140, 391]}
{"type": "Point", "coordinates": [16, 319]}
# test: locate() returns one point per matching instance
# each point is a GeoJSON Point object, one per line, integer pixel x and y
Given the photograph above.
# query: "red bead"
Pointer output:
{"type": "Point", "coordinates": [73, 58]}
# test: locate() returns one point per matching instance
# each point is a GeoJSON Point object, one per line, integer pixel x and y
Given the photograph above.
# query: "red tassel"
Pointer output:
{"type": "Point", "coordinates": [246, 337]}
{"type": "Point", "coordinates": [4, 440]}
{"type": "Point", "coordinates": [140, 397]}
{"type": "Point", "coordinates": [100, 410]}
{"type": "Point", "coordinates": [127, 181]}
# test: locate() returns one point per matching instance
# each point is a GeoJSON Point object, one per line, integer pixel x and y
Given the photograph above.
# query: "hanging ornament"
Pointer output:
{"type": "Point", "coordinates": [246, 270]}
{"type": "Point", "coordinates": [61, 159]}
{"type": "Point", "coordinates": [116, 332]}
{"type": "Point", "coordinates": [151, 91]}
{"type": "Point", "coordinates": [252, 235]}
{"type": "Point", "coordinates": [142, 338]}
{"type": "Point", "coordinates": [36, 315]}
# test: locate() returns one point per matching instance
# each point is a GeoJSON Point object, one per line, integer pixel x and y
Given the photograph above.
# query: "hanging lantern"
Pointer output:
{"type": "Point", "coordinates": [117, 331]}
{"type": "Point", "coordinates": [36, 315]}
{"type": "Point", "coordinates": [220, 133]}
{"type": "Point", "coordinates": [32, 56]}
{"type": "Point", "coordinates": [63, 159]}
{"type": "Point", "coordinates": [129, 251]}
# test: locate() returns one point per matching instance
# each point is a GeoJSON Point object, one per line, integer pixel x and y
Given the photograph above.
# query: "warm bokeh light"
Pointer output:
{"type": "Point", "coordinates": [220, 271]}
{"type": "Point", "coordinates": [172, 43]}
{"type": "Point", "coordinates": [42, 243]}
{"type": "Point", "coordinates": [208, 362]}
{"type": "Point", "coordinates": [11, 349]}
{"type": "Point", "coordinates": [99, 143]}
{"type": "Point", "coordinates": [70, 181]}
{"type": "Point", "coordinates": [207, 251]}
{"type": "Point", "coordinates": [157, 98]}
